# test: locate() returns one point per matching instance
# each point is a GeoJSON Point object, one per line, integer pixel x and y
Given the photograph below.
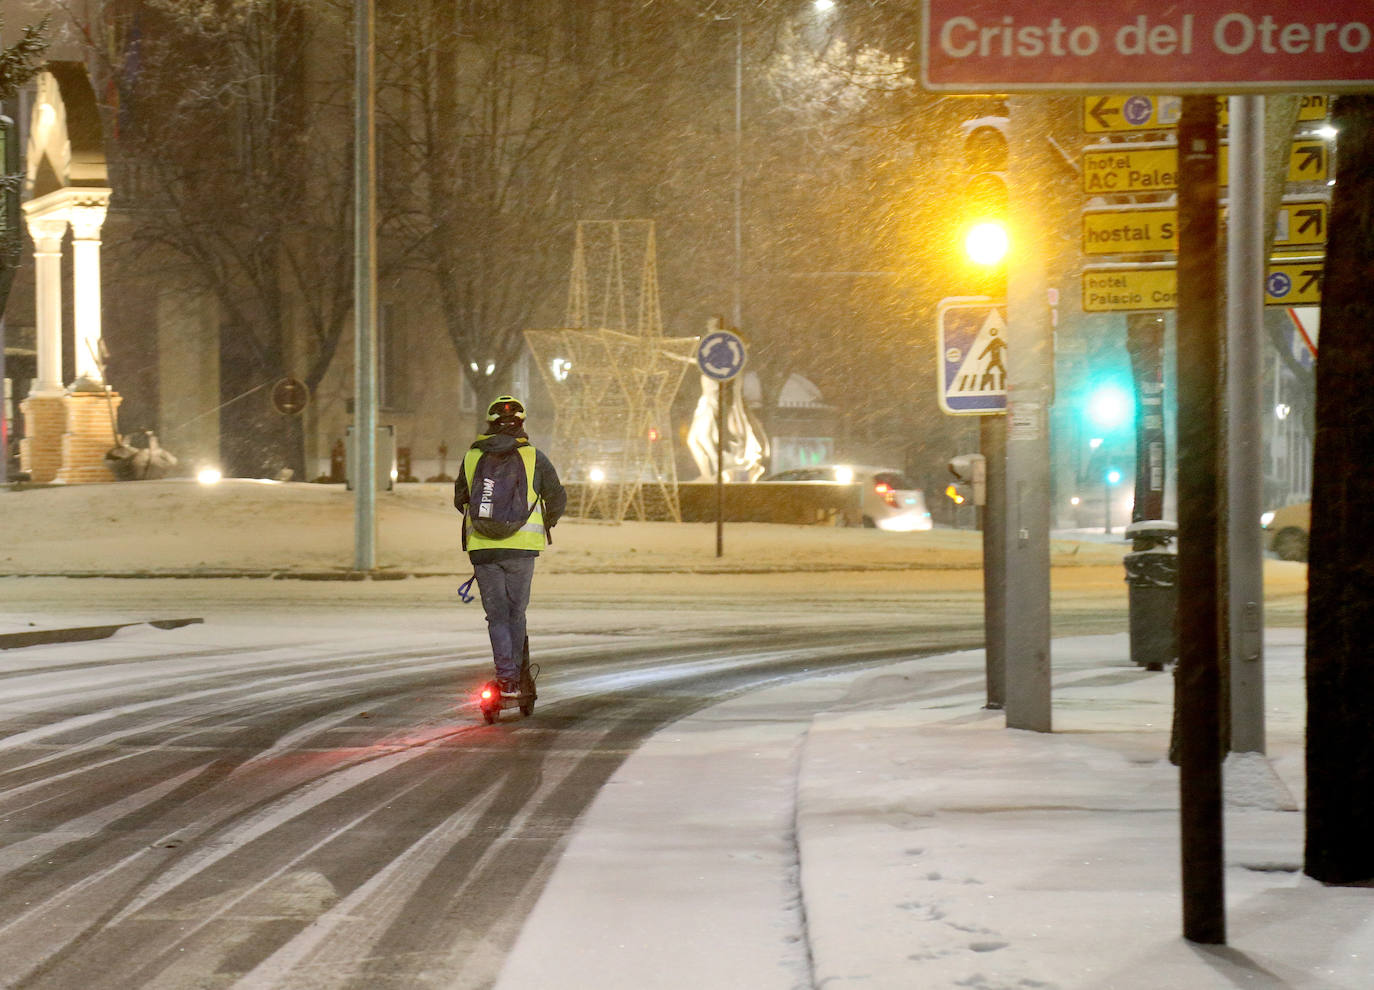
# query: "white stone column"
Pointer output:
{"type": "Point", "coordinates": [87, 214]}
{"type": "Point", "coordinates": [47, 231]}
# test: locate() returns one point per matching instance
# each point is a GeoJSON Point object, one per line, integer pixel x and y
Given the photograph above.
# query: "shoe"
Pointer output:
{"type": "Point", "coordinates": [509, 688]}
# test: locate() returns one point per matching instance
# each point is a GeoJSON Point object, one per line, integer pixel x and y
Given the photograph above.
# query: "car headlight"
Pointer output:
{"type": "Point", "coordinates": [1266, 519]}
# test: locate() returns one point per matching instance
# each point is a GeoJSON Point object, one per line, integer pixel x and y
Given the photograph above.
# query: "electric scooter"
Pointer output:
{"type": "Point", "coordinates": [491, 702]}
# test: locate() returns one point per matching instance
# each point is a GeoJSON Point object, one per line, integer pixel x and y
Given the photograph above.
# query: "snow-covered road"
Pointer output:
{"type": "Point", "coordinates": [290, 794]}
{"type": "Point", "coordinates": [308, 799]}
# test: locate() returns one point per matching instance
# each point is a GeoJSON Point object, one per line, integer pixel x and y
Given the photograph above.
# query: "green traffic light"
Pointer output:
{"type": "Point", "coordinates": [1110, 407]}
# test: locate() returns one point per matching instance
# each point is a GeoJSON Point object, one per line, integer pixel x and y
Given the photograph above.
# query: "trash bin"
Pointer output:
{"type": "Point", "coordinates": [1152, 580]}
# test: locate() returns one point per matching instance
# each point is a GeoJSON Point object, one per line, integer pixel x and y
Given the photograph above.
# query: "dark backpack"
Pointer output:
{"type": "Point", "coordinates": [498, 503]}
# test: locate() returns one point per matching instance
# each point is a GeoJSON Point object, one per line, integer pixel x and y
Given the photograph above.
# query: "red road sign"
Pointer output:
{"type": "Point", "coordinates": [1225, 46]}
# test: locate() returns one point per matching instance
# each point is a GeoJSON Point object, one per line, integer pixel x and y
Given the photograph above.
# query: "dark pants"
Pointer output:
{"type": "Point", "coordinates": [505, 589]}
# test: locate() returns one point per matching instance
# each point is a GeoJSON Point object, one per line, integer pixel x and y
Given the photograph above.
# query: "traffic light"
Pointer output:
{"type": "Point", "coordinates": [983, 205]}
{"type": "Point", "coordinates": [1108, 407]}
{"type": "Point", "coordinates": [970, 479]}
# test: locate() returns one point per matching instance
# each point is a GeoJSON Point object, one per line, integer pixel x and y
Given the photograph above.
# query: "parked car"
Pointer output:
{"type": "Point", "coordinates": [1287, 530]}
{"type": "Point", "coordinates": [889, 500]}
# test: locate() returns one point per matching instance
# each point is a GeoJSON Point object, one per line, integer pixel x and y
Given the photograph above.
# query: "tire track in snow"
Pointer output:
{"type": "Point", "coordinates": [306, 806]}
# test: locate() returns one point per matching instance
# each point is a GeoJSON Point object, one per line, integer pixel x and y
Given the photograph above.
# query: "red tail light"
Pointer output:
{"type": "Point", "coordinates": [486, 694]}
{"type": "Point", "coordinates": [887, 492]}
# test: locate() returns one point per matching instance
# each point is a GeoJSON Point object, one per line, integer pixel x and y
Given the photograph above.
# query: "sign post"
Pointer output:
{"type": "Point", "coordinates": [971, 355]}
{"type": "Point", "coordinates": [720, 356]}
{"type": "Point", "coordinates": [1198, 678]}
{"type": "Point", "coordinates": [1030, 371]}
{"type": "Point", "coordinates": [365, 284]}
{"type": "Point", "coordinates": [1244, 393]}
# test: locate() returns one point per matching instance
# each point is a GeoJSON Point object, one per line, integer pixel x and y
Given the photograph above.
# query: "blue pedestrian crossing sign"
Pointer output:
{"type": "Point", "coordinates": [972, 359]}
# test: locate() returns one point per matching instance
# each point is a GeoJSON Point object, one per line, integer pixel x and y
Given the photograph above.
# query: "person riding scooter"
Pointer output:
{"type": "Point", "coordinates": [510, 497]}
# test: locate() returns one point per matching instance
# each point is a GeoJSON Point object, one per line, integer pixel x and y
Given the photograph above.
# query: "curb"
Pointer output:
{"type": "Point", "coordinates": [274, 575]}
{"type": "Point", "coordinates": [80, 634]}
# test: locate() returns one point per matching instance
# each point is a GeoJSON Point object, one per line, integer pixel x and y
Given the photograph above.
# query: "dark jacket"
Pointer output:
{"type": "Point", "coordinates": [546, 486]}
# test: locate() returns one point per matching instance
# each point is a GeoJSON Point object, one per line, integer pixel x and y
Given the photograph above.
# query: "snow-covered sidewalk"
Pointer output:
{"type": "Point", "coordinates": [933, 847]}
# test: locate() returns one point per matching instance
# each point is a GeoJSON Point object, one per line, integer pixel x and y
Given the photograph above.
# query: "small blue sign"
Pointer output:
{"type": "Point", "coordinates": [1278, 284]}
{"type": "Point", "coordinates": [720, 355]}
{"type": "Point", "coordinates": [1137, 110]}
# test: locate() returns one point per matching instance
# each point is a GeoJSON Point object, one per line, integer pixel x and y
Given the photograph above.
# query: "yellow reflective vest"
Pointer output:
{"type": "Point", "coordinates": [530, 536]}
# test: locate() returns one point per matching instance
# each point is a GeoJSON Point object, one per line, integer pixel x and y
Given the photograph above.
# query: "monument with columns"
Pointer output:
{"type": "Point", "coordinates": [68, 428]}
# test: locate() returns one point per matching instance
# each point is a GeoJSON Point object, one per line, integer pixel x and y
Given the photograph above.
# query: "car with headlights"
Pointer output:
{"type": "Point", "coordinates": [887, 498]}
{"type": "Point", "coordinates": [1287, 530]}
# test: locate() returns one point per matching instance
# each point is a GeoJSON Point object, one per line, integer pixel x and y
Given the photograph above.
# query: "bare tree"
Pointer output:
{"type": "Point", "coordinates": [232, 154]}
{"type": "Point", "coordinates": [500, 126]}
{"type": "Point", "coordinates": [503, 127]}
{"type": "Point", "coordinates": [18, 64]}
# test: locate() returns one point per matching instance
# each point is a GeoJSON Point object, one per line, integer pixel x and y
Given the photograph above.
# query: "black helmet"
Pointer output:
{"type": "Point", "coordinates": [505, 407]}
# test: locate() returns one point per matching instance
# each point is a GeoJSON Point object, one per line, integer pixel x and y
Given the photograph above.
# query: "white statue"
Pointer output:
{"type": "Point", "coordinates": [746, 447]}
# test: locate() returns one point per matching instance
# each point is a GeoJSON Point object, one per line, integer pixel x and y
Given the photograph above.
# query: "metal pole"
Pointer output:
{"type": "Point", "coordinates": [1198, 679]}
{"type": "Point", "coordinates": [737, 304]}
{"type": "Point", "coordinates": [1245, 271]}
{"type": "Point", "coordinates": [10, 161]}
{"type": "Point", "coordinates": [992, 442]}
{"type": "Point", "coordinates": [1030, 365]}
{"type": "Point", "coordinates": [722, 397]}
{"type": "Point", "coordinates": [4, 418]}
{"type": "Point", "coordinates": [364, 295]}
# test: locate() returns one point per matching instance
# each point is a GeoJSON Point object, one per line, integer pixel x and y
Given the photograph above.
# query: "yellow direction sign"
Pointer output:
{"type": "Point", "coordinates": [1103, 114]}
{"type": "Point", "coordinates": [1130, 231]}
{"type": "Point", "coordinates": [1153, 167]}
{"type": "Point", "coordinates": [1294, 281]}
{"type": "Point", "coordinates": [1290, 281]}
{"type": "Point", "coordinates": [1130, 168]}
{"type": "Point", "coordinates": [1307, 160]}
{"type": "Point", "coordinates": [1123, 290]}
{"type": "Point", "coordinates": [1154, 229]}
{"type": "Point", "coordinates": [1313, 108]}
{"type": "Point", "coordinates": [1122, 113]}
{"type": "Point", "coordinates": [1301, 222]}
